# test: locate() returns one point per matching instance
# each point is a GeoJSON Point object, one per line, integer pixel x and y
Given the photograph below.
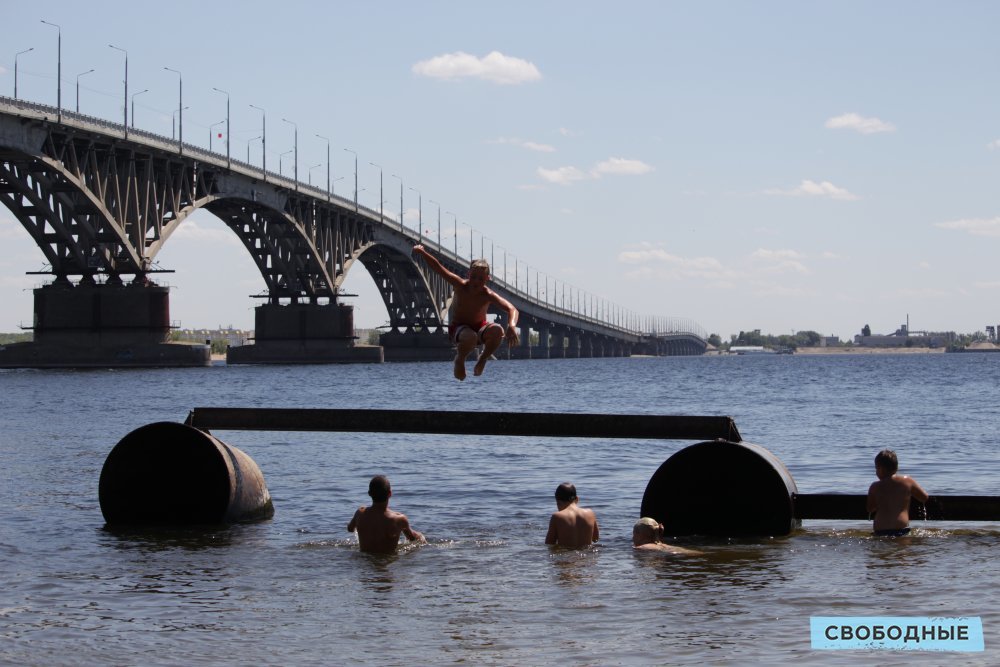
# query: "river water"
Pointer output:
{"type": "Point", "coordinates": [485, 590]}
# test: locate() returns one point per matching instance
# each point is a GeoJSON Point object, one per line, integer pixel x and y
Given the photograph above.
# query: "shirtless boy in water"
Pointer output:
{"type": "Point", "coordinates": [379, 527]}
{"type": "Point", "coordinates": [571, 526]}
{"type": "Point", "coordinates": [472, 299]}
{"type": "Point", "coordinates": [647, 535]}
{"type": "Point", "coordinates": [889, 497]}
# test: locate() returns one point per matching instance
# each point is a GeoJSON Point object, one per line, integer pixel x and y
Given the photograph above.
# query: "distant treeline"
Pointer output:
{"type": "Point", "coordinates": [814, 339]}
{"type": "Point", "coordinates": [7, 338]}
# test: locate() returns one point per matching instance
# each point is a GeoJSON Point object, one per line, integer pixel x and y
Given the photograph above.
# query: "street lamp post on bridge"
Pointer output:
{"type": "Point", "coordinates": [134, 95]}
{"type": "Point", "coordinates": [456, 232]}
{"type": "Point", "coordinates": [355, 178]}
{"type": "Point", "coordinates": [318, 164]}
{"type": "Point", "coordinates": [281, 161]}
{"type": "Point", "coordinates": [173, 122]}
{"type": "Point", "coordinates": [329, 184]}
{"type": "Point", "coordinates": [381, 201]}
{"type": "Point", "coordinates": [400, 201]}
{"type": "Point", "coordinates": [125, 97]}
{"type": "Point", "coordinates": [420, 215]}
{"type": "Point", "coordinates": [19, 53]}
{"type": "Point", "coordinates": [180, 107]}
{"type": "Point", "coordinates": [263, 140]}
{"type": "Point", "coordinates": [248, 147]}
{"type": "Point", "coordinates": [229, 161]}
{"type": "Point", "coordinates": [58, 70]}
{"type": "Point", "coordinates": [296, 169]}
{"type": "Point", "coordinates": [439, 220]}
{"type": "Point", "coordinates": [78, 88]}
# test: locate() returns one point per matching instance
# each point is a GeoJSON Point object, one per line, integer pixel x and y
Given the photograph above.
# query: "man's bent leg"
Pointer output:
{"type": "Point", "coordinates": [492, 337]}
{"type": "Point", "coordinates": [467, 339]}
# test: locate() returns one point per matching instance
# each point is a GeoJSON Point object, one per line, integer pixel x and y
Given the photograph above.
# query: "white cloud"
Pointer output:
{"type": "Point", "coordinates": [494, 67]}
{"type": "Point", "coordinates": [566, 132]}
{"type": "Point", "coordinates": [995, 284]}
{"type": "Point", "coordinates": [974, 226]}
{"type": "Point", "coordinates": [809, 188]}
{"type": "Point", "coordinates": [853, 121]}
{"type": "Point", "coordinates": [994, 145]}
{"type": "Point", "coordinates": [828, 254]}
{"type": "Point", "coordinates": [562, 175]}
{"type": "Point", "coordinates": [531, 187]}
{"type": "Point", "coordinates": [192, 231]}
{"type": "Point", "coordinates": [655, 262]}
{"type": "Point", "coordinates": [530, 145]}
{"type": "Point", "coordinates": [614, 165]}
{"type": "Point", "coordinates": [620, 165]}
{"type": "Point", "coordinates": [755, 273]}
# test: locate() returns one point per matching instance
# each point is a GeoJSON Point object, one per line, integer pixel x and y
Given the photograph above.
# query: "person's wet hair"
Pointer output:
{"type": "Point", "coordinates": [565, 492]}
{"type": "Point", "coordinates": [379, 488]}
{"type": "Point", "coordinates": [479, 264]}
{"type": "Point", "coordinates": [887, 460]}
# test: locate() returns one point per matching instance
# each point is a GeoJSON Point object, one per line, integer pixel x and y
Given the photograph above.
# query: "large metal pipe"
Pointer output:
{"type": "Point", "coordinates": [172, 474]}
{"type": "Point", "coordinates": [722, 489]}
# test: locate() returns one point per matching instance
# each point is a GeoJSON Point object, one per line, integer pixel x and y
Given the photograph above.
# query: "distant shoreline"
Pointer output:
{"type": "Point", "coordinates": [858, 349]}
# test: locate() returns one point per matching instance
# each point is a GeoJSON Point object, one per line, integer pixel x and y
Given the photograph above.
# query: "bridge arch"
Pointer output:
{"type": "Point", "coordinates": [101, 201]}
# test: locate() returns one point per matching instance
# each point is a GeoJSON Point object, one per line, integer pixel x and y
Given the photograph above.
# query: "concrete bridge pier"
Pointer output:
{"type": "Point", "coordinates": [102, 325]}
{"type": "Point", "coordinates": [573, 345]}
{"type": "Point", "coordinates": [420, 345]}
{"type": "Point", "coordinates": [523, 349]}
{"type": "Point", "coordinates": [544, 341]}
{"type": "Point", "coordinates": [558, 349]}
{"type": "Point", "coordinates": [304, 333]}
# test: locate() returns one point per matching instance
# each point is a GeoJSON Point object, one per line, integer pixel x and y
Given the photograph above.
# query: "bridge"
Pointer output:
{"type": "Point", "coordinates": [101, 199]}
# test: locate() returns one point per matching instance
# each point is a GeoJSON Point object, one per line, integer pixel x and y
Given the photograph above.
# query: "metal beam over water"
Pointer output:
{"type": "Point", "coordinates": [546, 425]}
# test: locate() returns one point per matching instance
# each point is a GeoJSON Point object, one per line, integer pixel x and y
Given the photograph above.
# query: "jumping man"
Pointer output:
{"type": "Point", "coordinates": [468, 326]}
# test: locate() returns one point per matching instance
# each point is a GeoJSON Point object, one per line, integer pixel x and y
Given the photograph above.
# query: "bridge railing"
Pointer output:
{"type": "Point", "coordinates": [591, 309]}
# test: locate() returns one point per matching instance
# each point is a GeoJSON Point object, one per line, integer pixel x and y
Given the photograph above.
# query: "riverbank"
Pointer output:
{"type": "Point", "coordinates": [857, 349]}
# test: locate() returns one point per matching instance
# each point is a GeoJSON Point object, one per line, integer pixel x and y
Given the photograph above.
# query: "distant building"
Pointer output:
{"type": "Point", "coordinates": [902, 337]}
{"type": "Point", "coordinates": [230, 336]}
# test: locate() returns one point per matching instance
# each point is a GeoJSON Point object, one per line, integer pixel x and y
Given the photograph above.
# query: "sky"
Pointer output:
{"type": "Point", "coordinates": [781, 166]}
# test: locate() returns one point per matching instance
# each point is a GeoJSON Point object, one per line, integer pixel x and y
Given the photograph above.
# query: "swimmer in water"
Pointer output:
{"type": "Point", "coordinates": [889, 497]}
{"type": "Point", "coordinates": [379, 527]}
{"type": "Point", "coordinates": [647, 535]}
{"type": "Point", "coordinates": [571, 525]}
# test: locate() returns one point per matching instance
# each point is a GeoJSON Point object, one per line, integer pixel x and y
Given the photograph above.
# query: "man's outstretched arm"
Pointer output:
{"type": "Point", "coordinates": [437, 266]}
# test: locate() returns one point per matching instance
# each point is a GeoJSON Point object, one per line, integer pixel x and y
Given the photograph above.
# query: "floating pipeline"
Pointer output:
{"type": "Point", "coordinates": [179, 474]}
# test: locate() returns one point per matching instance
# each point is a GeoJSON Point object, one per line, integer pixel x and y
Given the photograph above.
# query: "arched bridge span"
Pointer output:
{"type": "Point", "coordinates": [101, 201]}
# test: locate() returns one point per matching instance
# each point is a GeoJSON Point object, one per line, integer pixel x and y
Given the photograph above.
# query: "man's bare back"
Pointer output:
{"type": "Point", "coordinates": [378, 526]}
{"type": "Point", "coordinates": [571, 525]}
{"type": "Point", "coordinates": [889, 499]}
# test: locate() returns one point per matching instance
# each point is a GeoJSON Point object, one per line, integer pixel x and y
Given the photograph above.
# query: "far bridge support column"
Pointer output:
{"type": "Point", "coordinates": [304, 333]}
{"type": "Point", "coordinates": [105, 325]}
{"type": "Point", "coordinates": [544, 340]}
{"type": "Point", "coordinates": [558, 349]}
